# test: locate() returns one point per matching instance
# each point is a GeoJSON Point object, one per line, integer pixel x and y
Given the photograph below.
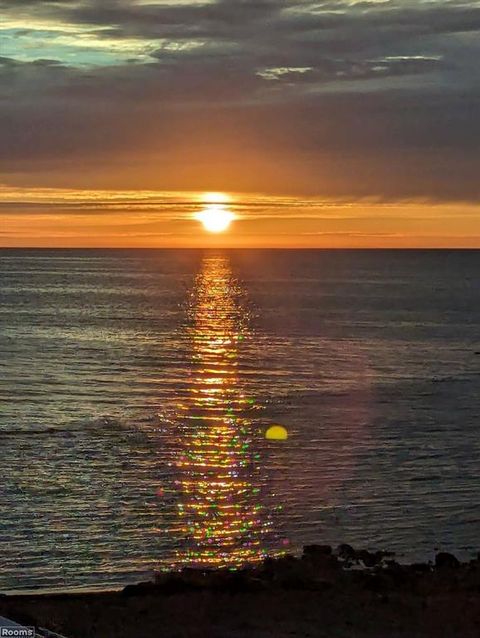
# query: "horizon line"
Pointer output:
{"type": "Point", "coordinates": [310, 248]}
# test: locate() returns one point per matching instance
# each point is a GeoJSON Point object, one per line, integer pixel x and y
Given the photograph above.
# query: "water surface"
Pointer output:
{"type": "Point", "coordinates": [136, 387]}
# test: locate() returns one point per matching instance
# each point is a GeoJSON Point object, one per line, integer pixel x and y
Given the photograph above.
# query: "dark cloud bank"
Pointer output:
{"type": "Point", "coordinates": [332, 98]}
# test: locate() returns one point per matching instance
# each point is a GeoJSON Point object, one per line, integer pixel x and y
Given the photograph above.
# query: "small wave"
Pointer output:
{"type": "Point", "coordinates": [98, 426]}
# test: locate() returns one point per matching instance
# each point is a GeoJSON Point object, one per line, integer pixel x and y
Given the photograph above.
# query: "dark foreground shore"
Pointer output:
{"type": "Point", "coordinates": [345, 594]}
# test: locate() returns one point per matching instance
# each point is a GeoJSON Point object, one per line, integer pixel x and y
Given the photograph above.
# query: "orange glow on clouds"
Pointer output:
{"type": "Point", "coordinates": [98, 218]}
{"type": "Point", "coordinates": [216, 198]}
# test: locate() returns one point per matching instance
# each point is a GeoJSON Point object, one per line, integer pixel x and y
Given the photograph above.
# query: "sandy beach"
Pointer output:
{"type": "Point", "coordinates": [321, 594]}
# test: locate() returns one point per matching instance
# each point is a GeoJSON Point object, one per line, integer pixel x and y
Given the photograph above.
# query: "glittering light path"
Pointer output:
{"type": "Point", "coordinates": [224, 523]}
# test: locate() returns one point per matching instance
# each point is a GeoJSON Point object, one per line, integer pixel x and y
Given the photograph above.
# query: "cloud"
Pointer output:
{"type": "Point", "coordinates": [357, 98]}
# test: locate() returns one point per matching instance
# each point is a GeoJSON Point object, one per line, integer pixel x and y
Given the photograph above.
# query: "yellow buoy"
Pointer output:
{"type": "Point", "coordinates": [276, 433]}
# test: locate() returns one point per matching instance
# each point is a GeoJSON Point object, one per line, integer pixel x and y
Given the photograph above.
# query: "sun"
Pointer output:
{"type": "Point", "coordinates": [215, 215]}
{"type": "Point", "coordinates": [215, 218]}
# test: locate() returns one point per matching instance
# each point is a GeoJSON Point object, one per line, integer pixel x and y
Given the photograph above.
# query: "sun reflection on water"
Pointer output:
{"type": "Point", "coordinates": [224, 523]}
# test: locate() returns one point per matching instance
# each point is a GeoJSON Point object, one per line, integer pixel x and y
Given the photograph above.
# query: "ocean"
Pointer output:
{"type": "Point", "coordinates": [137, 386]}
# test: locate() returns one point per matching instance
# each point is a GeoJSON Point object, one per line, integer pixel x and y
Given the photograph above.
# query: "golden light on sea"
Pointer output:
{"type": "Point", "coordinates": [223, 521]}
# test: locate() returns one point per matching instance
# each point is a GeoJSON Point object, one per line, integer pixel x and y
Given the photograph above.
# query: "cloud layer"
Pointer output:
{"type": "Point", "coordinates": [335, 98]}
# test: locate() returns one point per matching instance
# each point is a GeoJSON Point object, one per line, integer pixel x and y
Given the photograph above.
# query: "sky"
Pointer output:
{"type": "Point", "coordinates": [328, 124]}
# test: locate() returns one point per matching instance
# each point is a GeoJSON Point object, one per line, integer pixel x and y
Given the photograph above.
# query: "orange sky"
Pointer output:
{"type": "Point", "coordinates": [72, 218]}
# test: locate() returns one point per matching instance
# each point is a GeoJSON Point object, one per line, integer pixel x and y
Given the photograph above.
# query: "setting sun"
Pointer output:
{"type": "Point", "coordinates": [215, 218]}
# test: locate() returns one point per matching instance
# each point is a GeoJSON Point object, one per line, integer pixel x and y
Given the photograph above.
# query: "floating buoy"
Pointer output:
{"type": "Point", "coordinates": [276, 433]}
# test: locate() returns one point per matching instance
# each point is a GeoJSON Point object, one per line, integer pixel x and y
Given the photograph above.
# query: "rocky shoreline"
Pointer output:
{"type": "Point", "coordinates": [324, 593]}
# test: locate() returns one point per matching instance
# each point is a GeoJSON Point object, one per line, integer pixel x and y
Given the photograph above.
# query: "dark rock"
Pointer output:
{"type": "Point", "coordinates": [320, 560]}
{"type": "Point", "coordinates": [178, 584]}
{"type": "Point", "coordinates": [369, 559]}
{"type": "Point", "coordinates": [138, 590]}
{"type": "Point", "coordinates": [239, 582]}
{"type": "Point", "coordinates": [346, 552]}
{"type": "Point", "coordinates": [247, 585]}
{"type": "Point", "coordinates": [317, 550]}
{"type": "Point", "coordinates": [267, 567]}
{"type": "Point", "coordinates": [396, 573]}
{"type": "Point", "coordinates": [305, 584]}
{"type": "Point", "coordinates": [200, 578]}
{"type": "Point", "coordinates": [444, 560]}
{"type": "Point", "coordinates": [392, 564]}
{"type": "Point", "coordinates": [274, 566]}
{"type": "Point", "coordinates": [377, 583]}
{"type": "Point", "coordinates": [290, 572]}
{"type": "Point", "coordinates": [422, 568]}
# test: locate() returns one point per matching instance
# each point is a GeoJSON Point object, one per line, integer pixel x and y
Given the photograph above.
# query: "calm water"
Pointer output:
{"type": "Point", "coordinates": [136, 387]}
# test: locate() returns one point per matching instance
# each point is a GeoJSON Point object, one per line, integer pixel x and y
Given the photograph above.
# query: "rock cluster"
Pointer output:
{"type": "Point", "coordinates": [319, 568]}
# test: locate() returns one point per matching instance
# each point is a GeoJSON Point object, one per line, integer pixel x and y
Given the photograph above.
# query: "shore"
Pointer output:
{"type": "Point", "coordinates": [323, 594]}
